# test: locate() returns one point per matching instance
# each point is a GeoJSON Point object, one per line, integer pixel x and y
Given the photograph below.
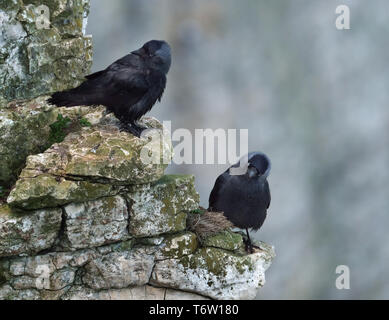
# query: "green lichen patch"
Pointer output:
{"type": "Point", "coordinates": [45, 191]}
{"type": "Point", "coordinates": [57, 133]}
{"type": "Point", "coordinates": [84, 122]}
{"type": "Point", "coordinates": [227, 240]}
{"type": "Point", "coordinates": [161, 207]}
{"type": "Point", "coordinates": [25, 130]}
{"type": "Point", "coordinates": [216, 261]}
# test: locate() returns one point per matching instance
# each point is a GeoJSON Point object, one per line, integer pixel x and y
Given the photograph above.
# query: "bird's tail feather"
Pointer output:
{"type": "Point", "coordinates": [63, 99]}
{"type": "Point", "coordinates": [80, 96]}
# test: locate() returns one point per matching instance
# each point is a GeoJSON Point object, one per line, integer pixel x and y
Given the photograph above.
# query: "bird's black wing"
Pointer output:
{"type": "Point", "coordinates": [267, 194]}
{"type": "Point", "coordinates": [157, 84]}
{"type": "Point", "coordinates": [122, 83]}
{"type": "Point", "coordinates": [219, 184]}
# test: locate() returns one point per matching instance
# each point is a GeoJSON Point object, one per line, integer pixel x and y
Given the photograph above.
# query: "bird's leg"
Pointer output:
{"type": "Point", "coordinates": [138, 127]}
{"type": "Point", "coordinates": [249, 245]}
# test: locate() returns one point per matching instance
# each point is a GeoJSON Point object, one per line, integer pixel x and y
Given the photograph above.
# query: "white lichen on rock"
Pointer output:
{"type": "Point", "coordinates": [27, 233]}
{"type": "Point", "coordinates": [36, 60]}
{"type": "Point", "coordinates": [95, 223]}
{"type": "Point", "coordinates": [216, 273]}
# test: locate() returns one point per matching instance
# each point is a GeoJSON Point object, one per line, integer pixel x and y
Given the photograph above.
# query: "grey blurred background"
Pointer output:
{"type": "Point", "coordinates": [314, 98]}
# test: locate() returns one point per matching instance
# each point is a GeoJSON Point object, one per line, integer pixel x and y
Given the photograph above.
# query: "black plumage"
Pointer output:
{"type": "Point", "coordinates": [244, 199]}
{"type": "Point", "coordinates": [129, 87]}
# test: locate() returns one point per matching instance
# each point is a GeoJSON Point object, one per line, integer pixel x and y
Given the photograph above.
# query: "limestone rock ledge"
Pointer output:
{"type": "Point", "coordinates": [89, 219]}
{"type": "Point", "coordinates": [94, 217]}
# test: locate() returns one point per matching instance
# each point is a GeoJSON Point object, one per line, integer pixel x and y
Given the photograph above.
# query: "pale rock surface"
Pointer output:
{"type": "Point", "coordinates": [161, 207]}
{"type": "Point", "coordinates": [215, 273]}
{"type": "Point", "coordinates": [95, 223]}
{"type": "Point", "coordinates": [27, 233]}
{"type": "Point", "coordinates": [119, 269]}
{"type": "Point", "coordinates": [89, 164]}
{"type": "Point", "coordinates": [35, 60]}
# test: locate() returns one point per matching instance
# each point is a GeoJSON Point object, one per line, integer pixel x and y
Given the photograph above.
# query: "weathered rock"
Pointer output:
{"type": "Point", "coordinates": [15, 144]}
{"type": "Point", "coordinates": [25, 129]}
{"type": "Point", "coordinates": [38, 58]}
{"type": "Point", "coordinates": [119, 269]}
{"type": "Point", "coordinates": [115, 156]}
{"type": "Point", "coordinates": [27, 233]}
{"type": "Point", "coordinates": [49, 272]}
{"type": "Point", "coordinates": [227, 240]}
{"type": "Point", "coordinates": [95, 223]}
{"type": "Point", "coordinates": [89, 164]}
{"type": "Point", "coordinates": [45, 190]}
{"type": "Point", "coordinates": [97, 273]}
{"type": "Point", "coordinates": [216, 273]}
{"type": "Point", "coordinates": [160, 207]}
{"type": "Point", "coordinates": [8, 293]}
{"type": "Point", "coordinates": [178, 245]}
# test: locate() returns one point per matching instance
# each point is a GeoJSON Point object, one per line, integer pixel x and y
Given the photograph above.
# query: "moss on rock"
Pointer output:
{"type": "Point", "coordinates": [90, 163]}
{"type": "Point", "coordinates": [25, 129]}
{"type": "Point", "coordinates": [214, 272]}
{"type": "Point", "coordinates": [227, 240]}
{"type": "Point", "coordinates": [161, 207]}
{"type": "Point", "coordinates": [47, 191]}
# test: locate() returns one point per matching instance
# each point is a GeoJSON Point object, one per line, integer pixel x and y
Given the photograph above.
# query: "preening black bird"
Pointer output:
{"type": "Point", "coordinates": [129, 87]}
{"type": "Point", "coordinates": [245, 198]}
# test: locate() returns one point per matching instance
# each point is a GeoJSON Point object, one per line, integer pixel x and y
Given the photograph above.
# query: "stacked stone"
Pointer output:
{"type": "Point", "coordinates": [88, 219]}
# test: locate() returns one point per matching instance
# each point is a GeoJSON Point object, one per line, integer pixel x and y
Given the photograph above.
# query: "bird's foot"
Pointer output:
{"type": "Point", "coordinates": [139, 128]}
{"type": "Point", "coordinates": [250, 247]}
{"type": "Point", "coordinates": [106, 112]}
{"type": "Point", "coordinates": [126, 127]}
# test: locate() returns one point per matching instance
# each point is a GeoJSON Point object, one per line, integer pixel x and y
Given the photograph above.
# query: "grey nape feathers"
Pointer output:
{"type": "Point", "coordinates": [204, 223]}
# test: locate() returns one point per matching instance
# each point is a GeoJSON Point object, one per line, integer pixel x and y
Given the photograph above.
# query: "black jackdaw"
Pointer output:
{"type": "Point", "coordinates": [244, 198]}
{"type": "Point", "coordinates": [129, 87]}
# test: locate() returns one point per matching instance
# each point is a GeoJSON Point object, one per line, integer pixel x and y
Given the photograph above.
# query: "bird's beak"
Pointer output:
{"type": "Point", "coordinates": [252, 172]}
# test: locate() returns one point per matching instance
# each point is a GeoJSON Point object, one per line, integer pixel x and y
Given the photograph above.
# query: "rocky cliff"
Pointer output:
{"type": "Point", "coordinates": [86, 211]}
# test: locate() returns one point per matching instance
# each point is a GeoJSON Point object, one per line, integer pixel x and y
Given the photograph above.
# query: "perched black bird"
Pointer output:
{"type": "Point", "coordinates": [129, 87]}
{"type": "Point", "coordinates": [244, 199]}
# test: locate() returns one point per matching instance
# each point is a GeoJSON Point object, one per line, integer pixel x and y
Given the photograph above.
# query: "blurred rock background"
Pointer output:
{"type": "Point", "coordinates": [314, 98]}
